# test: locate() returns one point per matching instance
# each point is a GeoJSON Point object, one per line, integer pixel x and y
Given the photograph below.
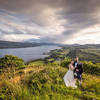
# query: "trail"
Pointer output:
{"type": "Point", "coordinates": [17, 78]}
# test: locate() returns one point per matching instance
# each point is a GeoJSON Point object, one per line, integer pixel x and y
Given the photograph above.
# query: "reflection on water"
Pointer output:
{"type": "Point", "coordinates": [30, 53]}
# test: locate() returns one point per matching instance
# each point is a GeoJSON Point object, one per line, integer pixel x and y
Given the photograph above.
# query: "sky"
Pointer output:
{"type": "Point", "coordinates": [56, 21]}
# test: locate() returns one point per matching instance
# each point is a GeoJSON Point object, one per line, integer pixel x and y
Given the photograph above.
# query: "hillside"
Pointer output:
{"type": "Point", "coordinates": [84, 52]}
{"type": "Point", "coordinates": [8, 44]}
{"type": "Point", "coordinates": [43, 79]}
{"type": "Point", "coordinates": [40, 81]}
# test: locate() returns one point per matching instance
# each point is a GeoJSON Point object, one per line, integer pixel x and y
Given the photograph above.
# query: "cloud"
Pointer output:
{"type": "Point", "coordinates": [51, 20]}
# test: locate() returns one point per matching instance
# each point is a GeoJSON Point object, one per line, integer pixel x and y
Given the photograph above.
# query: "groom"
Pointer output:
{"type": "Point", "coordinates": [78, 70]}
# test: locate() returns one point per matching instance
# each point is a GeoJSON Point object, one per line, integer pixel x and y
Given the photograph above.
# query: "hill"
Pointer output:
{"type": "Point", "coordinates": [40, 81]}
{"type": "Point", "coordinates": [8, 44]}
{"type": "Point", "coordinates": [84, 52]}
{"type": "Point", "coordinates": [43, 79]}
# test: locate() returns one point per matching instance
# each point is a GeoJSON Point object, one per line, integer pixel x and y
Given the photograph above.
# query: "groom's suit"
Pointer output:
{"type": "Point", "coordinates": [78, 70]}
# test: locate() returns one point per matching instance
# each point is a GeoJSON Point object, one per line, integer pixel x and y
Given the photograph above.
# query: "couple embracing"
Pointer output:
{"type": "Point", "coordinates": [75, 72]}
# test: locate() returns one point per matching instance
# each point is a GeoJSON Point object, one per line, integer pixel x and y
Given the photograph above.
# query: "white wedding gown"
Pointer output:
{"type": "Point", "coordinates": [69, 79]}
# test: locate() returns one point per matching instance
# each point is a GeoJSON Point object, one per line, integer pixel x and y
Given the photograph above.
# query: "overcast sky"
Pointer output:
{"type": "Point", "coordinates": [58, 21]}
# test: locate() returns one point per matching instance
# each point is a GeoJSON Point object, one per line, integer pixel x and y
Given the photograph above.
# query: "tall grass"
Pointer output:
{"type": "Point", "coordinates": [41, 81]}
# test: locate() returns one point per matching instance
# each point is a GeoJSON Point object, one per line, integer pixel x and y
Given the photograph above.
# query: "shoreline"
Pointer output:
{"type": "Point", "coordinates": [45, 54]}
{"type": "Point", "coordinates": [41, 59]}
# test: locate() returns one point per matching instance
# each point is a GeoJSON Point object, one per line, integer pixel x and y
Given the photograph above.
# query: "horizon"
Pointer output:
{"type": "Point", "coordinates": [51, 21]}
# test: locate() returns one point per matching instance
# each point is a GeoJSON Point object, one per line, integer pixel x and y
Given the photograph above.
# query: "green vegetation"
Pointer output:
{"type": "Point", "coordinates": [40, 81]}
{"type": "Point", "coordinates": [91, 68]}
{"type": "Point", "coordinates": [84, 52]}
{"type": "Point", "coordinates": [10, 61]}
{"type": "Point", "coordinates": [88, 67]}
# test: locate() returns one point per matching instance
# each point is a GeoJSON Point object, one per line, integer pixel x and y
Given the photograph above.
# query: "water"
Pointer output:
{"type": "Point", "coordinates": [30, 53]}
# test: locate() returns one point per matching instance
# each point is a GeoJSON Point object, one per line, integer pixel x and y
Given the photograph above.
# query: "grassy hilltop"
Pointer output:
{"type": "Point", "coordinates": [40, 80]}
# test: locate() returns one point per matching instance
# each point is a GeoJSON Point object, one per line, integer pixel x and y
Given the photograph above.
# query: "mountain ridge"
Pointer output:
{"type": "Point", "coordinates": [12, 44]}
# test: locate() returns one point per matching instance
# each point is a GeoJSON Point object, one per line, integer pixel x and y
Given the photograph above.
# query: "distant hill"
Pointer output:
{"type": "Point", "coordinates": [83, 46]}
{"type": "Point", "coordinates": [8, 44]}
{"type": "Point", "coordinates": [88, 52]}
{"type": "Point", "coordinates": [85, 54]}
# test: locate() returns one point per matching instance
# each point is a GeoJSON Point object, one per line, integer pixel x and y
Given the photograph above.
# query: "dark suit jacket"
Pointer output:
{"type": "Point", "coordinates": [80, 68]}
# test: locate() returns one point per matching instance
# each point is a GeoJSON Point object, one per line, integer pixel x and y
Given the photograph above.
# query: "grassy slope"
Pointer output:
{"type": "Point", "coordinates": [88, 54]}
{"type": "Point", "coordinates": [39, 81]}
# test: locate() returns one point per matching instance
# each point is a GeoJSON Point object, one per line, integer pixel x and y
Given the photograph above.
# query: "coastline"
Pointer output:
{"type": "Point", "coordinates": [40, 59]}
{"type": "Point", "coordinates": [43, 55]}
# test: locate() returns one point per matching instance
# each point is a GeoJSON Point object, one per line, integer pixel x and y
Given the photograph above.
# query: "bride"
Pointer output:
{"type": "Point", "coordinates": [69, 76]}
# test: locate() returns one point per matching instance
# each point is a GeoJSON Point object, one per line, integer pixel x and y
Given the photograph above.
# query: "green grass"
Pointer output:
{"type": "Point", "coordinates": [87, 54]}
{"type": "Point", "coordinates": [41, 81]}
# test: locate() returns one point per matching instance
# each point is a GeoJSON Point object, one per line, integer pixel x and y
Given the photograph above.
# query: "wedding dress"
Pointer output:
{"type": "Point", "coordinates": [69, 78]}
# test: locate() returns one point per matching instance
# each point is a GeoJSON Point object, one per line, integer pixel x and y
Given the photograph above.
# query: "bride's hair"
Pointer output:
{"type": "Point", "coordinates": [72, 62]}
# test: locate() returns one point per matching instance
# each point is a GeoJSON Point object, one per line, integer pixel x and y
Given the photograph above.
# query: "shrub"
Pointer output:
{"type": "Point", "coordinates": [88, 66]}
{"type": "Point", "coordinates": [65, 62]}
{"type": "Point", "coordinates": [91, 68]}
{"type": "Point", "coordinates": [9, 61]}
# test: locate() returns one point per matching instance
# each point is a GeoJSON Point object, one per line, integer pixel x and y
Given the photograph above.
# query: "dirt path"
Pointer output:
{"type": "Point", "coordinates": [17, 78]}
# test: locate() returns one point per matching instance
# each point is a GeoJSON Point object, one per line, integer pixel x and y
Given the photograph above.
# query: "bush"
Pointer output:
{"type": "Point", "coordinates": [66, 62]}
{"type": "Point", "coordinates": [88, 66]}
{"type": "Point", "coordinates": [9, 61]}
{"type": "Point", "coordinates": [48, 84]}
{"type": "Point", "coordinates": [91, 68]}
